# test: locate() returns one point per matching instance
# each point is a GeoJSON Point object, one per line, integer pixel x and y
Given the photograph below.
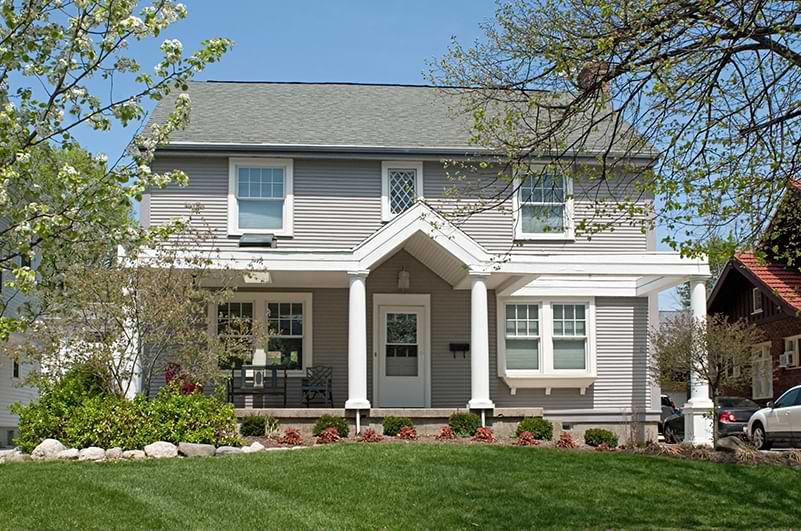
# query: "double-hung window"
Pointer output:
{"type": "Point", "coordinates": [792, 350]}
{"type": "Point", "coordinates": [569, 336]}
{"type": "Point", "coordinates": [762, 371]}
{"type": "Point", "coordinates": [523, 336]}
{"type": "Point", "coordinates": [285, 329]}
{"type": "Point", "coordinates": [543, 207]}
{"type": "Point", "coordinates": [260, 197]}
{"type": "Point", "coordinates": [756, 300]}
{"type": "Point", "coordinates": [401, 186]}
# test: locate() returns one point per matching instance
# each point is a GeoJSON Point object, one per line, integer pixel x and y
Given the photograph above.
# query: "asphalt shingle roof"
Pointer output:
{"type": "Point", "coordinates": [327, 114]}
{"type": "Point", "coordinates": [784, 282]}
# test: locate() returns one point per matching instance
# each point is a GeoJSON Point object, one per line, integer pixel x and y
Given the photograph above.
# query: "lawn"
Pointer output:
{"type": "Point", "coordinates": [399, 487]}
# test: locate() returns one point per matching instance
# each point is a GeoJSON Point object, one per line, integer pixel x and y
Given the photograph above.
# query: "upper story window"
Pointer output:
{"type": "Point", "coordinates": [756, 300]}
{"type": "Point", "coordinates": [260, 196]}
{"type": "Point", "coordinates": [401, 186]}
{"type": "Point", "coordinates": [792, 351]}
{"type": "Point", "coordinates": [544, 207]}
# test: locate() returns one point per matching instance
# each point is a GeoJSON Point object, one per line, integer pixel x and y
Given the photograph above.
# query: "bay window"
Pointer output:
{"type": "Point", "coordinates": [543, 207]}
{"type": "Point", "coordinates": [260, 196]}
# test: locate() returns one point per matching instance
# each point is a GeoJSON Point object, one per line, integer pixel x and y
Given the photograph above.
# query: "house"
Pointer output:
{"type": "Point", "coordinates": [768, 294]}
{"type": "Point", "coordinates": [340, 192]}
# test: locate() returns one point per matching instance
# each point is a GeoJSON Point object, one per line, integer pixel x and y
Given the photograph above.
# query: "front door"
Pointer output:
{"type": "Point", "coordinates": [401, 356]}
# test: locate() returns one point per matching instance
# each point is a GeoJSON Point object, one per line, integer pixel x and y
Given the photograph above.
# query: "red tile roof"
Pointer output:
{"type": "Point", "coordinates": [784, 282]}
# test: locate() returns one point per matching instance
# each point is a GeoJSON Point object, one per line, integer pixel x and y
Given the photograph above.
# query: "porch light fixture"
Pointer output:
{"type": "Point", "coordinates": [404, 279]}
{"type": "Point", "coordinates": [258, 277]}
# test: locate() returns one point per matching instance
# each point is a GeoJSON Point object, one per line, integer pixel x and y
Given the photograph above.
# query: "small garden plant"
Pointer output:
{"type": "Point", "coordinates": [566, 441]}
{"type": "Point", "coordinates": [393, 425]}
{"type": "Point", "coordinates": [446, 434]}
{"type": "Point", "coordinates": [526, 439]}
{"type": "Point", "coordinates": [538, 427]}
{"type": "Point", "coordinates": [464, 424]}
{"type": "Point", "coordinates": [407, 433]}
{"type": "Point", "coordinates": [330, 421]}
{"type": "Point", "coordinates": [291, 437]}
{"type": "Point", "coordinates": [484, 434]}
{"type": "Point", "coordinates": [328, 435]}
{"type": "Point", "coordinates": [253, 426]}
{"type": "Point", "coordinates": [596, 437]}
{"type": "Point", "coordinates": [369, 435]}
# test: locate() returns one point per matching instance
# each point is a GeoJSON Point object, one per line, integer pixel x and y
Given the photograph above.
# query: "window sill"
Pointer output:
{"type": "Point", "coordinates": [549, 381]}
{"type": "Point", "coordinates": [564, 237]}
{"type": "Point", "coordinates": [276, 233]}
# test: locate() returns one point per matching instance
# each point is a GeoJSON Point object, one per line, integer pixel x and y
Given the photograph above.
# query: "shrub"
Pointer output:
{"type": "Point", "coordinates": [484, 435]}
{"type": "Point", "coordinates": [328, 435]}
{"type": "Point", "coordinates": [408, 433]}
{"type": "Point", "coordinates": [525, 438]}
{"type": "Point", "coordinates": [446, 434]}
{"type": "Point", "coordinates": [329, 421]}
{"type": "Point", "coordinates": [538, 427]}
{"type": "Point", "coordinates": [253, 426]}
{"type": "Point", "coordinates": [464, 424]}
{"type": "Point", "coordinates": [291, 437]}
{"type": "Point", "coordinates": [371, 436]}
{"type": "Point", "coordinates": [566, 441]}
{"type": "Point", "coordinates": [595, 437]}
{"type": "Point", "coordinates": [393, 425]}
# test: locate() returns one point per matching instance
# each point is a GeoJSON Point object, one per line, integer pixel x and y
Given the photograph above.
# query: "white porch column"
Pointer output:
{"type": "Point", "coordinates": [479, 344]}
{"type": "Point", "coordinates": [698, 411]}
{"type": "Point", "coordinates": [357, 342]}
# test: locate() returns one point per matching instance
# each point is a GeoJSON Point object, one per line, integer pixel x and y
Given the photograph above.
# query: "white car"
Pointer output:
{"type": "Point", "coordinates": [779, 423]}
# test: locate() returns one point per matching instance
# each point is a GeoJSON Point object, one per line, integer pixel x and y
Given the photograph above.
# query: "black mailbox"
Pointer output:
{"type": "Point", "coordinates": [464, 348]}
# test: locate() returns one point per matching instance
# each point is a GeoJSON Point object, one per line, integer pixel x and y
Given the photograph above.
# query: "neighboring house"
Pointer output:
{"type": "Point", "coordinates": [339, 189]}
{"type": "Point", "coordinates": [12, 374]}
{"type": "Point", "coordinates": [767, 294]}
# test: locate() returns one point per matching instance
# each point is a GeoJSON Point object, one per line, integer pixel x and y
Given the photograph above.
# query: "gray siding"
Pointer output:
{"type": "Point", "coordinates": [338, 204]}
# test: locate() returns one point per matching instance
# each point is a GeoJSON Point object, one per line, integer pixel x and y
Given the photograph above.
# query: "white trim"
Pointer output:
{"type": "Point", "coordinates": [795, 359]}
{"type": "Point", "coordinates": [289, 195]}
{"type": "Point", "coordinates": [402, 299]}
{"type": "Point", "coordinates": [260, 300]}
{"type": "Point", "coordinates": [386, 165]}
{"type": "Point", "coordinates": [569, 234]}
{"type": "Point", "coordinates": [756, 295]}
{"type": "Point", "coordinates": [546, 376]}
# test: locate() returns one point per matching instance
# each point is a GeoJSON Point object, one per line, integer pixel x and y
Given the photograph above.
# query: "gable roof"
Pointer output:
{"type": "Point", "coordinates": [339, 116]}
{"type": "Point", "coordinates": [782, 283]}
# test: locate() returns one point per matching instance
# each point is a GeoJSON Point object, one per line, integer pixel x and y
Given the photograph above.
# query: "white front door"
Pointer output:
{"type": "Point", "coordinates": [401, 357]}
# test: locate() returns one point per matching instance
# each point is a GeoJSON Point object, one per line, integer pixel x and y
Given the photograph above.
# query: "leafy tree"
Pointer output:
{"type": "Point", "coordinates": [140, 314]}
{"type": "Point", "coordinates": [716, 350]}
{"type": "Point", "coordinates": [61, 63]}
{"type": "Point", "coordinates": [708, 90]}
{"type": "Point", "coordinates": [720, 250]}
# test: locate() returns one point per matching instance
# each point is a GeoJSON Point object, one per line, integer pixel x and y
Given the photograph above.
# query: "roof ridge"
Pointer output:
{"type": "Point", "coordinates": [324, 83]}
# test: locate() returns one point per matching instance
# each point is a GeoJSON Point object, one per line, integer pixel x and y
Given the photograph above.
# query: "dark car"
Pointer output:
{"type": "Point", "coordinates": [668, 410]}
{"type": "Point", "coordinates": [732, 414]}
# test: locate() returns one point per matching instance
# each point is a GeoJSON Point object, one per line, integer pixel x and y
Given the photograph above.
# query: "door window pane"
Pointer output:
{"type": "Point", "coordinates": [401, 354]}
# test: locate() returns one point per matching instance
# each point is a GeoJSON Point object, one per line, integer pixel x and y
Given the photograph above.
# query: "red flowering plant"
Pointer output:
{"type": "Point", "coordinates": [566, 441]}
{"type": "Point", "coordinates": [328, 435]}
{"type": "Point", "coordinates": [603, 447]}
{"type": "Point", "coordinates": [172, 372]}
{"type": "Point", "coordinates": [446, 434]}
{"type": "Point", "coordinates": [369, 435]}
{"type": "Point", "coordinates": [407, 433]}
{"type": "Point", "coordinates": [526, 438]}
{"type": "Point", "coordinates": [484, 434]}
{"type": "Point", "coordinates": [291, 437]}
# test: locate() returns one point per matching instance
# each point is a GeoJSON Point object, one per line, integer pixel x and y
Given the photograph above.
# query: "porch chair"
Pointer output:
{"type": "Point", "coordinates": [318, 382]}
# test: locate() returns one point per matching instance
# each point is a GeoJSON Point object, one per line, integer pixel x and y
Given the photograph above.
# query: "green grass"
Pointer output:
{"type": "Point", "coordinates": [399, 487]}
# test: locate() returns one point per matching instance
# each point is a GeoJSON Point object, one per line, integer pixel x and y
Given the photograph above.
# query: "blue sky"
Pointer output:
{"type": "Point", "coordinates": [315, 40]}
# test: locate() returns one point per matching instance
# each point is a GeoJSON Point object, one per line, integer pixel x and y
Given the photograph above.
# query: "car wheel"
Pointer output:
{"type": "Point", "coordinates": [670, 437]}
{"type": "Point", "coordinates": [760, 438]}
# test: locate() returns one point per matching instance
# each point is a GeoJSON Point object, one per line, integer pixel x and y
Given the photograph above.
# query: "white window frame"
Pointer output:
{"type": "Point", "coordinates": [289, 196]}
{"type": "Point", "coordinates": [795, 361]}
{"type": "Point", "coordinates": [756, 296]}
{"type": "Point", "coordinates": [260, 300]}
{"type": "Point", "coordinates": [570, 226]}
{"type": "Point", "coordinates": [538, 337]}
{"type": "Point", "coordinates": [546, 376]}
{"type": "Point", "coordinates": [386, 165]}
{"type": "Point", "coordinates": [762, 353]}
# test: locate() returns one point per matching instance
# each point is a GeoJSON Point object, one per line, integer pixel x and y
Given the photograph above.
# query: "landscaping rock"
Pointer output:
{"type": "Point", "coordinates": [195, 450]}
{"type": "Point", "coordinates": [228, 450]}
{"type": "Point", "coordinates": [253, 448]}
{"type": "Point", "coordinates": [68, 454]}
{"type": "Point", "coordinates": [731, 444]}
{"type": "Point", "coordinates": [48, 449]}
{"type": "Point", "coordinates": [161, 450]}
{"type": "Point", "coordinates": [133, 454]}
{"type": "Point", "coordinates": [93, 453]}
{"type": "Point", "coordinates": [14, 456]}
{"type": "Point", "coordinates": [4, 453]}
{"type": "Point", "coordinates": [114, 453]}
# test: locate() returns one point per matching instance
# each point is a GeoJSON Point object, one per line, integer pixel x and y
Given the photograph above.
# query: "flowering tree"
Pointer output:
{"type": "Point", "coordinates": [709, 91]}
{"type": "Point", "coordinates": [59, 61]}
